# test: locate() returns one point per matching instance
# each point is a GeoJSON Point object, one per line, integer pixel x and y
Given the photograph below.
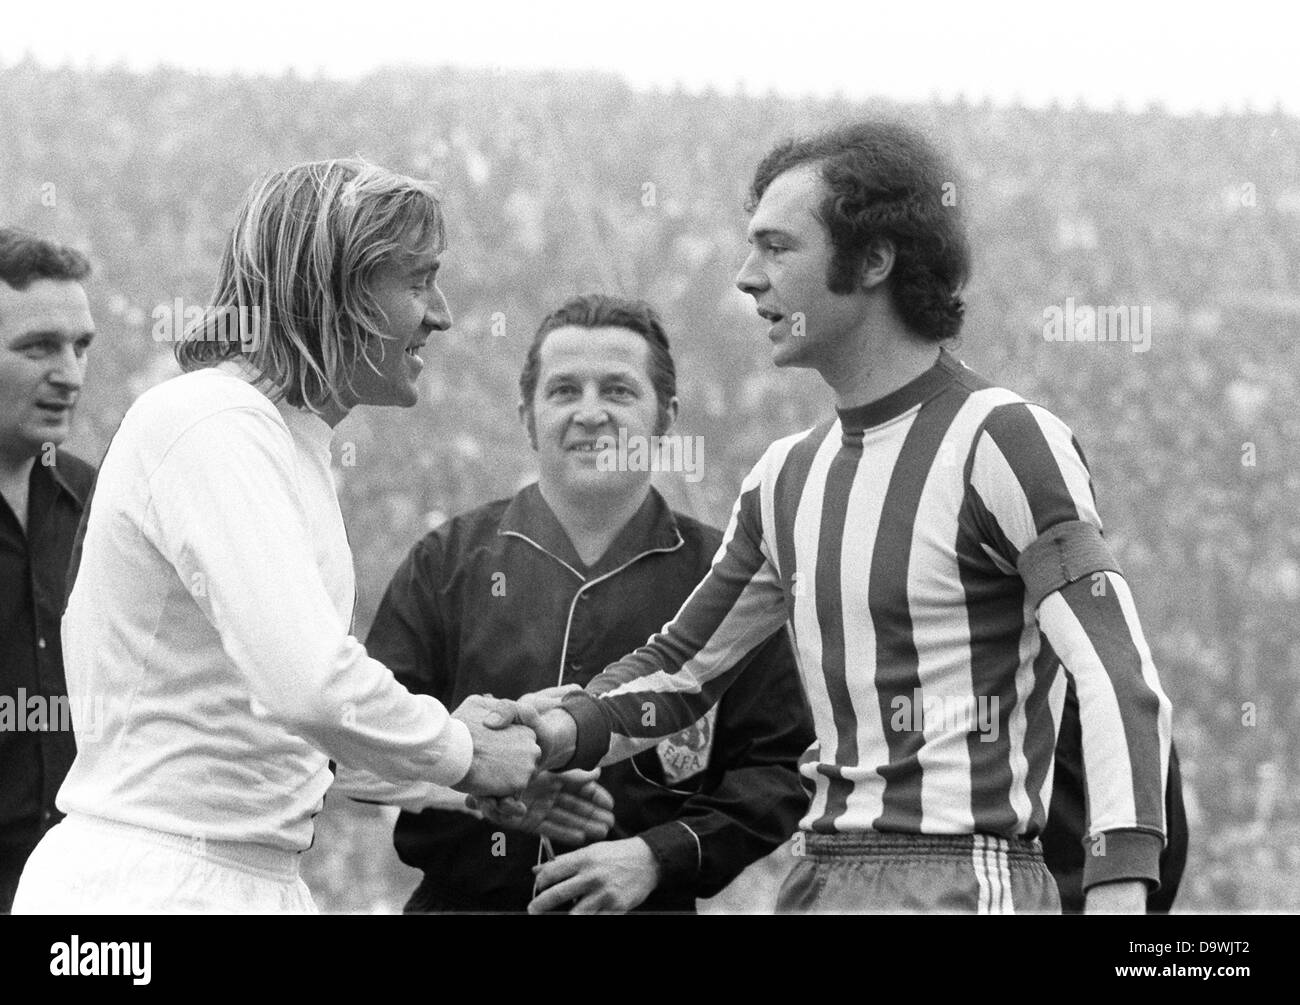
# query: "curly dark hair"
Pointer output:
{"type": "Point", "coordinates": [25, 257]}
{"type": "Point", "coordinates": [885, 181]}
{"type": "Point", "coordinates": [601, 310]}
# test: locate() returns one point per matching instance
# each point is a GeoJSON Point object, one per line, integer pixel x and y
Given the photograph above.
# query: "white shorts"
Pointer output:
{"type": "Point", "coordinates": [86, 865]}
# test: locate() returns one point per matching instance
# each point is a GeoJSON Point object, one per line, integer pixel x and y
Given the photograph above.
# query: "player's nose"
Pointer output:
{"type": "Point", "coordinates": [750, 279]}
{"type": "Point", "coordinates": [437, 314]}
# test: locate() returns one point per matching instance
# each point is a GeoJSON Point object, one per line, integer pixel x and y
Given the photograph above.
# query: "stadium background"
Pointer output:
{"type": "Point", "coordinates": [558, 184]}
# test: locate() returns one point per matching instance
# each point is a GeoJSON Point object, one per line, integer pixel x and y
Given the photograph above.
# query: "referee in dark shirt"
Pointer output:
{"type": "Point", "coordinates": [45, 334]}
{"type": "Point", "coordinates": [545, 589]}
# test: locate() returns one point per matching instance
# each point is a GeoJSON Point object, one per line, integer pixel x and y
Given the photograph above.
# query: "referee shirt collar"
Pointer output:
{"type": "Point", "coordinates": [895, 403]}
{"type": "Point", "coordinates": [652, 528]}
{"type": "Point", "coordinates": [40, 470]}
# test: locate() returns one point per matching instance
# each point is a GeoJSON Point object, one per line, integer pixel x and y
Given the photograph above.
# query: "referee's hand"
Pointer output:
{"type": "Point", "coordinates": [572, 808]}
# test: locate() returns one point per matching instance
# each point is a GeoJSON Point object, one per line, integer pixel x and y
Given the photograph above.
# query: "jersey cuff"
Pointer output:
{"type": "Point", "coordinates": [677, 849]}
{"type": "Point", "coordinates": [1122, 854]}
{"type": "Point", "coordinates": [593, 730]}
{"type": "Point", "coordinates": [1061, 555]}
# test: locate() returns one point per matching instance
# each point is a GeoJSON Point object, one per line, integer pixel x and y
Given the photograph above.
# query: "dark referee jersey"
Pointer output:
{"type": "Point", "coordinates": [497, 601]}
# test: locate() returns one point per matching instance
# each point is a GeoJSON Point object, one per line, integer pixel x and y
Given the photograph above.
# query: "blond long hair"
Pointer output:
{"type": "Point", "coordinates": [296, 273]}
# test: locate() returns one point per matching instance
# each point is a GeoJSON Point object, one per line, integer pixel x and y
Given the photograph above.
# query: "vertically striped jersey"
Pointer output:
{"type": "Point", "coordinates": [938, 556]}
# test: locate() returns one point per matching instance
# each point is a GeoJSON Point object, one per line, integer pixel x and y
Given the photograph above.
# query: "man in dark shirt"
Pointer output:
{"type": "Point", "coordinates": [543, 590]}
{"type": "Point", "coordinates": [45, 333]}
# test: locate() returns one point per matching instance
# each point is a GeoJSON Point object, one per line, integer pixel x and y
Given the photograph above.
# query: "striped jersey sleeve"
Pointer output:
{"type": "Point", "coordinates": [1032, 495]}
{"type": "Point", "coordinates": [682, 671]}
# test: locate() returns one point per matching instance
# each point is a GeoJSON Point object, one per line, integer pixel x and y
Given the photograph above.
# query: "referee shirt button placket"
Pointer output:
{"type": "Point", "coordinates": [574, 666]}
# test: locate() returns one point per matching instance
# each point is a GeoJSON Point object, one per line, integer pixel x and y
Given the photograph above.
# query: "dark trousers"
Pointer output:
{"type": "Point", "coordinates": [13, 856]}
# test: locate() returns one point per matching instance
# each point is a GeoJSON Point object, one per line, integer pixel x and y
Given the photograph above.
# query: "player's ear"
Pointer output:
{"type": "Point", "coordinates": [527, 420]}
{"type": "Point", "coordinates": [668, 416]}
{"type": "Point", "coordinates": [877, 264]}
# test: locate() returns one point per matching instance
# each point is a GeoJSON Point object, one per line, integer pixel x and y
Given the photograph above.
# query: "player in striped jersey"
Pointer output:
{"type": "Point", "coordinates": [937, 554]}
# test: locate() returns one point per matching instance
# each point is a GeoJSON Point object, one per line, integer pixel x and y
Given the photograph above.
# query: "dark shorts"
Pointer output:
{"type": "Point", "coordinates": [917, 874]}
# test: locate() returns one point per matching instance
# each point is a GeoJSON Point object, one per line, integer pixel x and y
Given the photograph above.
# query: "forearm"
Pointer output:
{"type": "Point", "coordinates": [352, 708]}
{"type": "Point", "coordinates": [681, 672]}
{"type": "Point", "coordinates": [659, 690]}
{"type": "Point", "coordinates": [366, 787]}
{"type": "Point", "coordinates": [1125, 723]}
{"type": "Point", "coordinates": [637, 714]}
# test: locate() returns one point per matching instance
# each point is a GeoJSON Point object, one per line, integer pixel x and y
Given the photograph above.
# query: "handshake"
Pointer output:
{"type": "Point", "coordinates": [516, 743]}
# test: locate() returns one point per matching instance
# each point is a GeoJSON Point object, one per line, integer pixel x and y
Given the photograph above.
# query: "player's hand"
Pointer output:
{"type": "Point", "coordinates": [572, 808]}
{"type": "Point", "coordinates": [1127, 896]}
{"type": "Point", "coordinates": [505, 755]}
{"type": "Point", "coordinates": [548, 698]}
{"type": "Point", "coordinates": [557, 733]}
{"type": "Point", "coordinates": [609, 877]}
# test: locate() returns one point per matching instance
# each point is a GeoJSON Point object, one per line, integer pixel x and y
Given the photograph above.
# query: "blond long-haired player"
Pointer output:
{"type": "Point", "coordinates": [210, 619]}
